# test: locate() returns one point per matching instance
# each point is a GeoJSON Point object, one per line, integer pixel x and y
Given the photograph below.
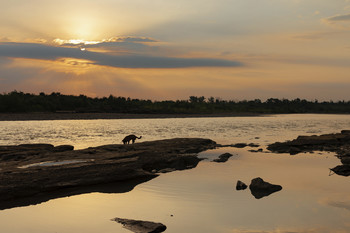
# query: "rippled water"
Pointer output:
{"type": "Point", "coordinates": [202, 199]}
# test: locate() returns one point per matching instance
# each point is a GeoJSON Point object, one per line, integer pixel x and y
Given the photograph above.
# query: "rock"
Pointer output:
{"type": "Point", "coordinates": [259, 188]}
{"type": "Point", "coordinates": [62, 148]}
{"type": "Point", "coordinates": [342, 170]}
{"type": "Point", "coordinates": [223, 158]}
{"type": "Point", "coordinates": [240, 145]}
{"type": "Point", "coordinates": [345, 160]}
{"type": "Point", "coordinates": [240, 185]}
{"type": "Point", "coordinates": [107, 164]}
{"type": "Point", "coordinates": [253, 145]}
{"type": "Point", "coordinates": [325, 142]}
{"type": "Point", "coordinates": [258, 150]}
{"type": "Point", "coordinates": [337, 142]}
{"type": "Point", "coordinates": [345, 131]}
{"type": "Point", "coordinates": [138, 226]}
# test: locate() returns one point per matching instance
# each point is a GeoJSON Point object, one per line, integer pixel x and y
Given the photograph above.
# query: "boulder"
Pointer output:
{"type": "Point", "coordinates": [259, 188]}
{"type": "Point", "coordinates": [138, 226]}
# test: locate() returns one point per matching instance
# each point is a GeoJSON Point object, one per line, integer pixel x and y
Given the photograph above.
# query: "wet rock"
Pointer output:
{"type": "Point", "coordinates": [138, 226]}
{"type": "Point", "coordinates": [325, 142]}
{"type": "Point", "coordinates": [240, 145]}
{"type": "Point", "coordinates": [345, 160]}
{"type": "Point", "coordinates": [107, 164]}
{"type": "Point", "coordinates": [240, 185]}
{"type": "Point", "coordinates": [62, 148]}
{"type": "Point", "coordinates": [342, 170]}
{"type": "Point", "coordinates": [259, 188]}
{"type": "Point", "coordinates": [253, 145]}
{"type": "Point", "coordinates": [345, 131]}
{"type": "Point", "coordinates": [223, 158]}
{"type": "Point", "coordinates": [258, 150]}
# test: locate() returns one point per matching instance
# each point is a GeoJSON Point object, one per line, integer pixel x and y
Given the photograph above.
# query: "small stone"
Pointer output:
{"type": "Point", "coordinates": [240, 185]}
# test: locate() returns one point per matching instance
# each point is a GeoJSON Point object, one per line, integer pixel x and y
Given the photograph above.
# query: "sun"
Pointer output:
{"type": "Point", "coordinates": [82, 27]}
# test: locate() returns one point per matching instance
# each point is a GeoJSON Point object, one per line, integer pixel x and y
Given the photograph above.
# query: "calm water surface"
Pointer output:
{"type": "Point", "coordinates": [202, 199]}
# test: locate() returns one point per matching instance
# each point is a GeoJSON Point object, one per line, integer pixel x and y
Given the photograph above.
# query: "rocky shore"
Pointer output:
{"type": "Point", "coordinates": [34, 173]}
{"type": "Point", "coordinates": [336, 142]}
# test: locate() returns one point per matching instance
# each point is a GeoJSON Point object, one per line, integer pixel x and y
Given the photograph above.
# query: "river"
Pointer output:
{"type": "Point", "coordinates": [202, 199]}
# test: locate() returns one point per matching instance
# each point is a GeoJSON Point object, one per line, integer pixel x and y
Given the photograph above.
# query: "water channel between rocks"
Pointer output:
{"type": "Point", "coordinates": [203, 199]}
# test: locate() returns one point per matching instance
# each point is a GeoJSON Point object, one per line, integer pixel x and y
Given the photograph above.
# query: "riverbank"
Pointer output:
{"type": "Point", "coordinates": [95, 116]}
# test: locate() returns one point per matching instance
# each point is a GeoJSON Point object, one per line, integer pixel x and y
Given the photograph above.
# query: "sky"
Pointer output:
{"type": "Point", "coordinates": [167, 50]}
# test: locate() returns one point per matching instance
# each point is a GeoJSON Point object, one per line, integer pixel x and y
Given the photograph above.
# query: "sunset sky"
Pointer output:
{"type": "Point", "coordinates": [162, 49]}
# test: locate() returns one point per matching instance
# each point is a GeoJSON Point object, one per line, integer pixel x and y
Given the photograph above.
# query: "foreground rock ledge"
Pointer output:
{"type": "Point", "coordinates": [89, 167]}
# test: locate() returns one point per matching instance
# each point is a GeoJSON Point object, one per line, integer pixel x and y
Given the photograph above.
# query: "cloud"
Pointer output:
{"type": "Point", "coordinates": [319, 35]}
{"type": "Point", "coordinates": [48, 52]}
{"type": "Point", "coordinates": [336, 18]}
{"type": "Point", "coordinates": [338, 21]}
{"type": "Point", "coordinates": [340, 204]}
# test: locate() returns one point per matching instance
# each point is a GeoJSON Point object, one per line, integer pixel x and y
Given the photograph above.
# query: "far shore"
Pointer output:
{"type": "Point", "coordinates": [95, 116]}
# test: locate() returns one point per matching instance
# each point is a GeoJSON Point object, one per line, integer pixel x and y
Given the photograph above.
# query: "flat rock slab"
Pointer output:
{"type": "Point", "coordinates": [337, 142]}
{"type": "Point", "coordinates": [22, 176]}
{"type": "Point", "coordinates": [138, 226]}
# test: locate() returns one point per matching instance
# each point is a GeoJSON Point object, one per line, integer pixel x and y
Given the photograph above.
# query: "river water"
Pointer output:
{"type": "Point", "coordinates": [202, 199]}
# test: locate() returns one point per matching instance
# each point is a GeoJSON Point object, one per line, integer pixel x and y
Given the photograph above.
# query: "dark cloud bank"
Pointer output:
{"type": "Point", "coordinates": [46, 52]}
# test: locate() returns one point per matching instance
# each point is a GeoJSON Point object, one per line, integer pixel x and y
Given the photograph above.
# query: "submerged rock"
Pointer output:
{"type": "Point", "coordinates": [223, 158]}
{"type": "Point", "coordinates": [259, 188]}
{"type": "Point", "coordinates": [138, 226]}
{"type": "Point", "coordinates": [240, 185]}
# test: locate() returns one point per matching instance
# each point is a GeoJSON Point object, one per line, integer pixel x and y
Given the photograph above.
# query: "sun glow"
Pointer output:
{"type": "Point", "coordinates": [74, 42]}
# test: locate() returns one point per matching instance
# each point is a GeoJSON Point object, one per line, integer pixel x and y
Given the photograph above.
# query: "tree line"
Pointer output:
{"type": "Point", "coordinates": [19, 102]}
